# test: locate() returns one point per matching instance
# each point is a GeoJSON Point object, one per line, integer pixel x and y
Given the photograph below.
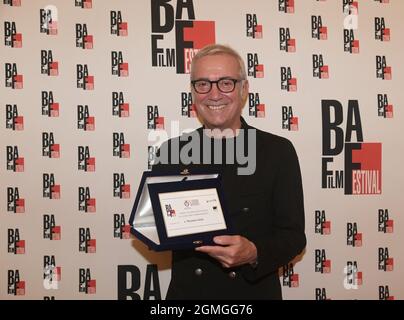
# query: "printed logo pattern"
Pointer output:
{"type": "Point", "coordinates": [87, 87]}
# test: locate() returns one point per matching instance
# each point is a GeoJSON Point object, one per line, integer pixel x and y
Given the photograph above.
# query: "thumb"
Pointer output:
{"type": "Point", "coordinates": [224, 240]}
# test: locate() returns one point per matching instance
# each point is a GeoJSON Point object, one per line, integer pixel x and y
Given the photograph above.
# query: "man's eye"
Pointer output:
{"type": "Point", "coordinates": [202, 84]}
{"type": "Point", "coordinates": [227, 83]}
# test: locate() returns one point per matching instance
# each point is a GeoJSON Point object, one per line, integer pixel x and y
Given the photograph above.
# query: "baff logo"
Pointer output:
{"type": "Point", "coordinates": [384, 223]}
{"type": "Point", "coordinates": [48, 65]}
{"type": "Point", "coordinates": [254, 68]}
{"type": "Point", "coordinates": [154, 120]}
{"type": "Point", "coordinates": [51, 231]}
{"type": "Point", "coordinates": [84, 160]}
{"type": "Point", "coordinates": [253, 29]}
{"type": "Point", "coordinates": [288, 82]}
{"type": "Point", "coordinates": [83, 39]}
{"type": "Point", "coordinates": [14, 121]}
{"type": "Point", "coordinates": [84, 120]}
{"type": "Point", "coordinates": [289, 121]}
{"type": "Point", "coordinates": [318, 30]}
{"type": "Point", "coordinates": [320, 69]}
{"type": "Point", "coordinates": [121, 229]}
{"type": "Point", "coordinates": [321, 263]}
{"type": "Point", "coordinates": [386, 263]}
{"type": "Point", "coordinates": [120, 108]}
{"type": "Point", "coordinates": [49, 147]}
{"type": "Point", "coordinates": [351, 44]}
{"type": "Point", "coordinates": [119, 147]}
{"type": "Point", "coordinates": [48, 20]}
{"type": "Point", "coordinates": [383, 71]}
{"type": "Point", "coordinates": [86, 203]}
{"type": "Point", "coordinates": [52, 274]}
{"type": "Point", "coordinates": [362, 161]}
{"type": "Point", "coordinates": [151, 156]}
{"type": "Point", "coordinates": [256, 109]}
{"type": "Point", "coordinates": [15, 203]}
{"type": "Point", "coordinates": [84, 80]}
{"type": "Point", "coordinates": [170, 211]}
{"type": "Point", "coordinates": [353, 237]}
{"type": "Point", "coordinates": [384, 109]}
{"type": "Point", "coordinates": [353, 277]}
{"type": "Point", "coordinates": [14, 242]}
{"type": "Point", "coordinates": [118, 26]}
{"type": "Point", "coordinates": [188, 108]}
{"type": "Point", "coordinates": [86, 243]}
{"type": "Point", "coordinates": [287, 6]}
{"type": "Point", "coordinates": [350, 7]}
{"type": "Point", "coordinates": [286, 42]}
{"type": "Point", "coordinates": [15, 162]}
{"type": "Point", "coordinates": [12, 3]}
{"type": "Point", "coordinates": [321, 224]}
{"type": "Point", "coordinates": [87, 284]}
{"type": "Point", "coordinates": [121, 189]}
{"type": "Point", "coordinates": [320, 294]}
{"type": "Point", "coordinates": [50, 108]}
{"type": "Point", "coordinates": [13, 80]}
{"type": "Point", "coordinates": [384, 293]}
{"type": "Point", "coordinates": [130, 278]}
{"type": "Point", "coordinates": [12, 38]}
{"type": "Point", "coordinates": [382, 33]}
{"type": "Point", "coordinates": [290, 278]}
{"type": "Point", "coordinates": [118, 66]}
{"type": "Point", "coordinates": [15, 285]}
{"type": "Point", "coordinates": [190, 35]}
{"type": "Point", "coordinates": [84, 4]}
{"type": "Point", "coordinates": [51, 190]}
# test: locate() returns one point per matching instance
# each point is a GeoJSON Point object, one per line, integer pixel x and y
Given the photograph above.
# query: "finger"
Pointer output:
{"type": "Point", "coordinates": [201, 248]}
{"type": "Point", "coordinates": [226, 240]}
{"type": "Point", "coordinates": [212, 250]}
{"type": "Point", "coordinates": [215, 252]}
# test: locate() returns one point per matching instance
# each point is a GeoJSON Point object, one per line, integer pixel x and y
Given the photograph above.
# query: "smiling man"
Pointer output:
{"type": "Point", "coordinates": [219, 91]}
{"type": "Point", "coordinates": [265, 205]}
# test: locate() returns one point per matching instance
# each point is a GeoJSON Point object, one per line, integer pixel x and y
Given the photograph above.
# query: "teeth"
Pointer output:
{"type": "Point", "coordinates": [217, 107]}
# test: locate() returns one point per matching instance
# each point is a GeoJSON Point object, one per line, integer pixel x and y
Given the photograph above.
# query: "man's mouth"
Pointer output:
{"type": "Point", "coordinates": [218, 107]}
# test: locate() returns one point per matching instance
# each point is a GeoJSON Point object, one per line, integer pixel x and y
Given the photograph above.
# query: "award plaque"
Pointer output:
{"type": "Point", "coordinates": [176, 211]}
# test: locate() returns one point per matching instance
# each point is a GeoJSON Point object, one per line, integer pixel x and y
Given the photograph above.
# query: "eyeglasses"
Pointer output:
{"type": "Point", "coordinates": [225, 85]}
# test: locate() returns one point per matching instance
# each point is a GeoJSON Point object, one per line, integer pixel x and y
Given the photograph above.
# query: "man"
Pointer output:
{"type": "Point", "coordinates": [266, 205]}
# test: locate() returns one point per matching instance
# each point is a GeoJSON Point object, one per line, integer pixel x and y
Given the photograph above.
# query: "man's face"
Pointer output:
{"type": "Point", "coordinates": [217, 109]}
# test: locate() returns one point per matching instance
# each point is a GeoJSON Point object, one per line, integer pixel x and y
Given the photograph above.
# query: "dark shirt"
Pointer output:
{"type": "Point", "coordinates": [266, 207]}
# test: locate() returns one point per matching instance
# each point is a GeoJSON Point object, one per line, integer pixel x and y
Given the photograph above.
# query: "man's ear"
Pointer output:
{"type": "Point", "coordinates": [244, 91]}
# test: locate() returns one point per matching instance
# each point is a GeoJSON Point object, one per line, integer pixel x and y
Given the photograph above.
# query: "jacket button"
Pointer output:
{"type": "Point", "coordinates": [245, 210]}
{"type": "Point", "coordinates": [198, 272]}
{"type": "Point", "coordinates": [232, 274]}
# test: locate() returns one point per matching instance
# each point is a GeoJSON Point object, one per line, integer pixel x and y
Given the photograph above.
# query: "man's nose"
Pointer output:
{"type": "Point", "coordinates": [215, 92]}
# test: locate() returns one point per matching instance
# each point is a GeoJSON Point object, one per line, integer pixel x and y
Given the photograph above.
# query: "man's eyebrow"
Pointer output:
{"type": "Point", "coordinates": [207, 79]}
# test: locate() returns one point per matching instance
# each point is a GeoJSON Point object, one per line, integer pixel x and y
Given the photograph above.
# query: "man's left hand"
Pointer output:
{"type": "Point", "coordinates": [231, 251]}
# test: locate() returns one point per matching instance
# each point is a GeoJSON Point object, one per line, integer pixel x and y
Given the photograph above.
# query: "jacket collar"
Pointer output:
{"type": "Point", "coordinates": [244, 125]}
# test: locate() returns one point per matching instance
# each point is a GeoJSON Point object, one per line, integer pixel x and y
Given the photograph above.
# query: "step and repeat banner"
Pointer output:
{"type": "Point", "coordinates": [90, 87]}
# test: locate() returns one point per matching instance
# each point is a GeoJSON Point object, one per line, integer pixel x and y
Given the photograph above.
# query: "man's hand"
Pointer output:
{"type": "Point", "coordinates": [231, 251]}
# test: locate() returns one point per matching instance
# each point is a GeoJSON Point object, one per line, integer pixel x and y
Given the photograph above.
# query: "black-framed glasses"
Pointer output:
{"type": "Point", "coordinates": [225, 85]}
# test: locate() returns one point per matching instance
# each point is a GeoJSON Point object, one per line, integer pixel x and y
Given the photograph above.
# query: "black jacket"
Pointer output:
{"type": "Point", "coordinates": [265, 207]}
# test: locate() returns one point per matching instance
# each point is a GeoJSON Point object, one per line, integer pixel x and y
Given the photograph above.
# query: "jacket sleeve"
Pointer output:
{"type": "Point", "coordinates": [285, 238]}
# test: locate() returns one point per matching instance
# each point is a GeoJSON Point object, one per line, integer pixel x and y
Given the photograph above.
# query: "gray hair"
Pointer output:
{"type": "Point", "coordinates": [217, 49]}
